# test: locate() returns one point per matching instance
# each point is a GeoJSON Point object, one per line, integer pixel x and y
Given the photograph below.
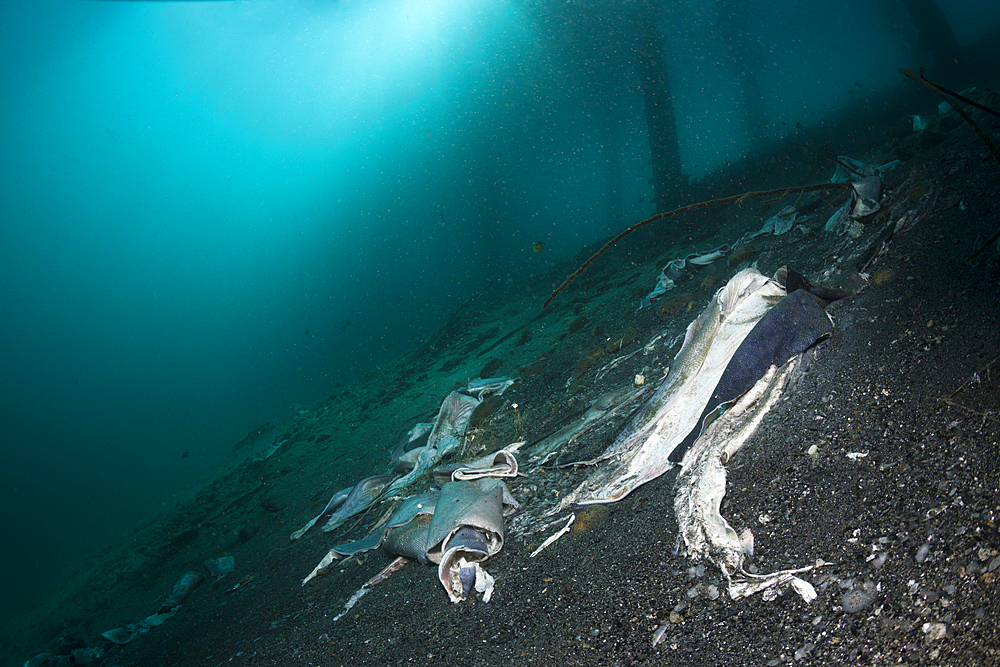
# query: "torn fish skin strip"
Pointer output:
{"type": "Point", "coordinates": [565, 529]}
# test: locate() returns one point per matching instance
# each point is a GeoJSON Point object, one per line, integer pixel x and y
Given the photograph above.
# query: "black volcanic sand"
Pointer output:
{"type": "Point", "coordinates": [910, 381]}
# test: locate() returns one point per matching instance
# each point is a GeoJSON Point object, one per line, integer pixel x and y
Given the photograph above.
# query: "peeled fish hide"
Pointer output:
{"type": "Point", "coordinates": [404, 454]}
{"type": "Point", "coordinates": [707, 258]}
{"type": "Point", "coordinates": [470, 539]}
{"type": "Point", "coordinates": [457, 571]}
{"type": "Point", "coordinates": [838, 217]}
{"type": "Point", "coordinates": [410, 540]}
{"type": "Point", "coordinates": [792, 280]}
{"type": "Point", "coordinates": [498, 464]}
{"type": "Point", "coordinates": [219, 567]}
{"type": "Point", "coordinates": [456, 528]}
{"type": "Point", "coordinates": [336, 501]}
{"type": "Point", "coordinates": [867, 193]}
{"type": "Point", "coordinates": [687, 363]}
{"type": "Point", "coordinates": [701, 485]}
{"type": "Point", "coordinates": [858, 169]}
{"type": "Point", "coordinates": [483, 386]}
{"type": "Point", "coordinates": [789, 328]}
{"type": "Point", "coordinates": [781, 221]}
{"type": "Point", "coordinates": [182, 588]}
{"type": "Point", "coordinates": [362, 496]}
{"type": "Point", "coordinates": [449, 428]}
{"type": "Point", "coordinates": [477, 504]}
{"type": "Point", "coordinates": [133, 631]}
{"type": "Point", "coordinates": [452, 421]}
{"type": "Point", "coordinates": [414, 511]}
{"type": "Point", "coordinates": [677, 270]}
{"type": "Point", "coordinates": [465, 509]}
{"type": "Point", "coordinates": [641, 451]}
{"type": "Point", "coordinates": [425, 458]}
{"type": "Point", "coordinates": [467, 527]}
{"type": "Point", "coordinates": [602, 405]}
{"type": "Point", "coordinates": [412, 508]}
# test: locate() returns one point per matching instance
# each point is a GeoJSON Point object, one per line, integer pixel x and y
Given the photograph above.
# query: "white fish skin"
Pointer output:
{"type": "Point", "coordinates": [688, 361]}
{"type": "Point", "coordinates": [641, 452]}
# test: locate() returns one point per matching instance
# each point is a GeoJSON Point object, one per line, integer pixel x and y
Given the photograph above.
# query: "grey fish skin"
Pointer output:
{"type": "Point", "coordinates": [336, 501]}
{"type": "Point", "coordinates": [362, 495]}
{"type": "Point", "coordinates": [410, 540]}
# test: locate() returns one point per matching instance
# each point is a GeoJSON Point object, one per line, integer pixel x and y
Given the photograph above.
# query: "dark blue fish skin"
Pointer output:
{"type": "Point", "coordinates": [789, 328]}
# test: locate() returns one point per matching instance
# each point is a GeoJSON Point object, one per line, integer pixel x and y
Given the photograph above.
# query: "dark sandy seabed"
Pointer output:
{"type": "Point", "coordinates": [910, 378]}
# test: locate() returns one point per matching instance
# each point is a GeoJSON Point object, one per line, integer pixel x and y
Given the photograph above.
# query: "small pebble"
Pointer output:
{"type": "Point", "coordinates": [879, 560]}
{"type": "Point", "coordinates": [994, 564]}
{"type": "Point", "coordinates": [713, 592]}
{"type": "Point", "coordinates": [922, 552]}
{"type": "Point", "coordinates": [661, 634]}
{"type": "Point", "coordinates": [692, 592]}
{"type": "Point", "coordinates": [855, 600]}
{"type": "Point", "coordinates": [803, 652]}
{"type": "Point", "coordinates": [935, 631]}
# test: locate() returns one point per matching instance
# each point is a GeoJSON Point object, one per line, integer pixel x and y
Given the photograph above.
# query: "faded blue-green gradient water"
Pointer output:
{"type": "Point", "coordinates": [214, 212]}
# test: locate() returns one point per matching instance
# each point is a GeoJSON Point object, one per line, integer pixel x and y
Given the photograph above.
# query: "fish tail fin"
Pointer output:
{"type": "Point", "coordinates": [743, 283]}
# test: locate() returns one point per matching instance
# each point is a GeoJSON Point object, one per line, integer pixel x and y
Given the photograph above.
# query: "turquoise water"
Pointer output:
{"type": "Point", "coordinates": [214, 212]}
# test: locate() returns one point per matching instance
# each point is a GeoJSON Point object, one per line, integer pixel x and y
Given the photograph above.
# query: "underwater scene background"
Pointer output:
{"type": "Point", "coordinates": [214, 215]}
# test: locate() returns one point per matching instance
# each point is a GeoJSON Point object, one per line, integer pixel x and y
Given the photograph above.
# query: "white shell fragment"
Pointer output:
{"type": "Point", "coordinates": [746, 541]}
